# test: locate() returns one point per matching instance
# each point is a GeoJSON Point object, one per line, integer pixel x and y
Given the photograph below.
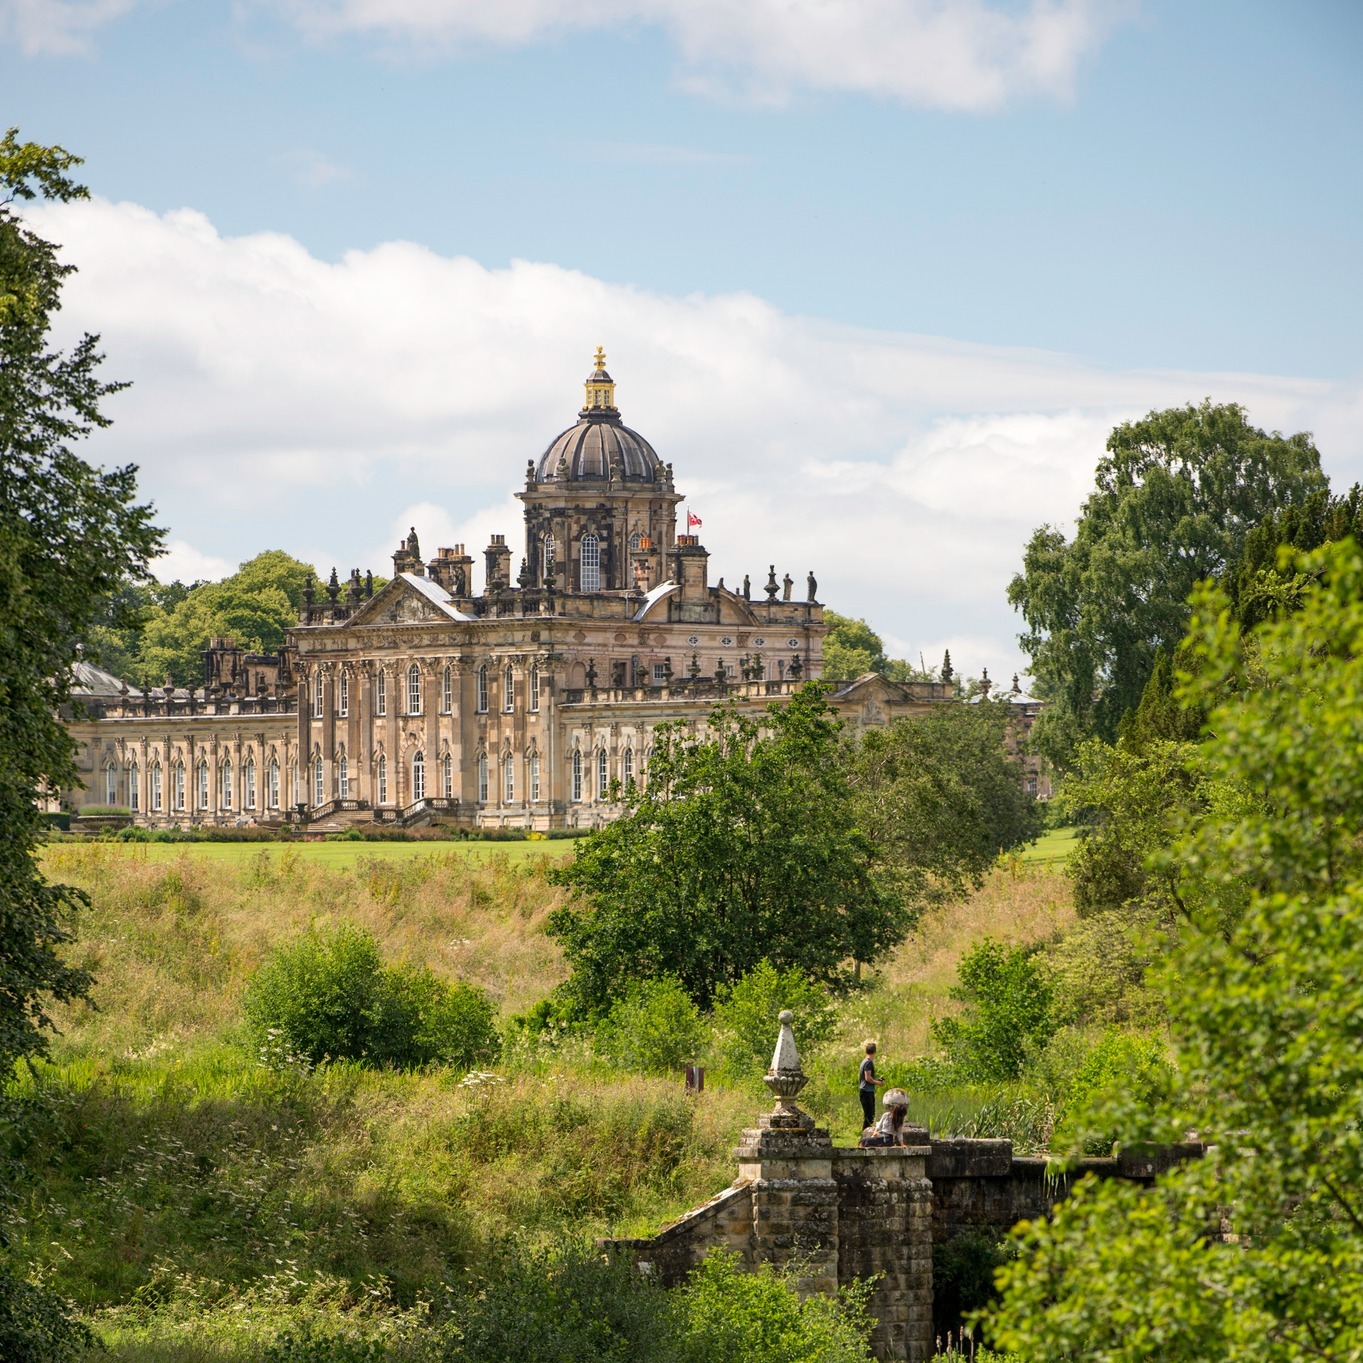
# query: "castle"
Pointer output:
{"type": "Point", "coordinates": [529, 704]}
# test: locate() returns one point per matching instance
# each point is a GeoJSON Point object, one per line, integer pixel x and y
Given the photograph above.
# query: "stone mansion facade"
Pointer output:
{"type": "Point", "coordinates": [526, 704]}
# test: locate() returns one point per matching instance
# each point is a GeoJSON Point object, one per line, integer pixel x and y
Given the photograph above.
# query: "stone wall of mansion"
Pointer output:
{"type": "Point", "coordinates": [495, 737]}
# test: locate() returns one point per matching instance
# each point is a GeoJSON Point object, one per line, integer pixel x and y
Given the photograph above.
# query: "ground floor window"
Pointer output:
{"type": "Point", "coordinates": [534, 776]}
{"type": "Point", "coordinates": [342, 779]}
{"type": "Point", "coordinates": [111, 784]}
{"type": "Point", "coordinates": [226, 774]}
{"type": "Point", "coordinates": [447, 776]}
{"type": "Point", "coordinates": [201, 784]}
{"type": "Point", "coordinates": [272, 783]}
{"type": "Point", "coordinates": [509, 778]}
{"type": "Point", "coordinates": [248, 783]}
{"type": "Point", "coordinates": [318, 789]}
{"type": "Point", "coordinates": [482, 778]}
{"type": "Point", "coordinates": [418, 777]}
{"type": "Point", "coordinates": [383, 780]}
{"type": "Point", "coordinates": [602, 775]}
{"type": "Point", "coordinates": [134, 802]}
{"type": "Point", "coordinates": [577, 774]}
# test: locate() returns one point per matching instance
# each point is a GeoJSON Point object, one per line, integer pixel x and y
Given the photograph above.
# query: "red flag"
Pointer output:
{"type": "Point", "coordinates": [692, 521]}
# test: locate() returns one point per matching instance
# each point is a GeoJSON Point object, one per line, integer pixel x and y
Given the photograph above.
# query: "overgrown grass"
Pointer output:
{"type": "Point", "coordinates": [195, 1202]}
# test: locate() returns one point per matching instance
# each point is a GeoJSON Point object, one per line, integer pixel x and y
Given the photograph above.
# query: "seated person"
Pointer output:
{"type": "Point", "coordinates": [890, 1129]}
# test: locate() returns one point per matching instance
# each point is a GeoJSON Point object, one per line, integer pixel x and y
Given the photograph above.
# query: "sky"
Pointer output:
{"type": "Point", "coordinates": [876, 276]}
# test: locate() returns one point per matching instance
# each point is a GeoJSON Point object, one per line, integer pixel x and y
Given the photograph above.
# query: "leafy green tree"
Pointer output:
{"type": "Point", "coordinates": [943, 796]}
{"type": "Point", "coordinates": [69, 534]}
{"type": "Point", "coordinates": [1008, 1012]}
{"type": "Point", "coordinates": [851, 648]}
{"type": "Point", "coordinates": [1266, 1013]}
{"type": "Point", "coordinates": [255, 607]}
{"type": "Point", "coordinates": [1176, 497]}
{"type": "Point", "coordinates": [742, 844]}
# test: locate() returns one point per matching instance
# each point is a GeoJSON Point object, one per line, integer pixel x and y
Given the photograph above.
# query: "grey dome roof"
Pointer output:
{"type": "Point", "coordinates": [589, 449]}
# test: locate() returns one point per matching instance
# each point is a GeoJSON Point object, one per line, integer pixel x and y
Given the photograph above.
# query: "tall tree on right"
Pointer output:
{"type": "Point", "coordinates": [1175, 497]}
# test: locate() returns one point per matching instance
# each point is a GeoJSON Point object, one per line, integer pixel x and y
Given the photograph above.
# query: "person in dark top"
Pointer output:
{"type": "Point", "coordinates": [866, 1085]}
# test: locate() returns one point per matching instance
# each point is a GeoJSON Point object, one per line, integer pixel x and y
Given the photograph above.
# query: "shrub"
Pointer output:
{"type": "Point", "coordinates": [1121, 1063]}
{"type": "Point", "coordinates": [329, 996]}
{"type": "Point", "coordinates": [1008, 1012]}
{"type": "Point", "coordinates": [35, 1324]}
{"type": "Point", "coordinates": [655, 1028]}
{"type": "Point", "coordinates": [745, 1017]}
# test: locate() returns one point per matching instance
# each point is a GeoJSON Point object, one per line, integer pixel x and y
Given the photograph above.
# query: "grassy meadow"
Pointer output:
{"type": "Point", "coordinates": [191, 1199]}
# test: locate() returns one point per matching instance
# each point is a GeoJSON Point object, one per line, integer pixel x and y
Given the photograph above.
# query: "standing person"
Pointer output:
{"type": "Point", "coordinates": [866, 1086]}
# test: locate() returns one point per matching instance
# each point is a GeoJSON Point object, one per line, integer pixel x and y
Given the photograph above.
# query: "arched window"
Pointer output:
{"type": "Point", "coordinates": [317, 696]}
{"type": "Point", "coordinates": [343, 694]}
{"type": "Point", "coordinates": [627, 768]}
{"type": "Point", "coordinates": [590, 572]}
{"type": "Point", "coordinates": [382, 774]}
{"type": "Point", "coordinates": [548, 553]}
{"type": "Point", "coordinates": [225, 781]}
{"type": "Point", "coordinates": [178, 785]}
{"type": "Point", "coordinates": [577, 774]}
{"type": "Point", "coordinates": [414, 690]}
{"type": "Point", "coordinates": [534, 686]}
{"type": "Point", "coordinates": [634, 541]}
{"type": "Point", "coordinates": [110, 783]}
{"type": "Point", "coordinates": [508, 778]}
{"type": "Point", "coordinates": [381, 692]}
{"type": "Point", "coordinates": [272, 784]}
{"type": "Point", "coordinates": [534, 776]}
{"type": "Point", "coordinates": [293, 783]}
{"type": "Point", "coordinates": [481, 704]}
{"type": "Point", "coordinates": [508, 689]}
{"type": "Point", "coordinates": [602, 775]}
{"type": "Point", "coordinates": [201, 784]}
{"type": "Point", "coordinates": [342, 778]}
{"type": "Point", "coordinates": [248, 783]}
{"type": "Point", "coordinates": [482, 778]}
{"type": "Point", "coordinates": [155, 775]}
{"type": "Point", "coordinates": [446, 691]}
{"type": "Point", "coordinates": [319, 794]}
{"type": "Point", "coordinates": [418, 777]}
{"type": "Point", "coordinates": [447, 776]}
{"type": "Point", "coordinates": [134, 794]}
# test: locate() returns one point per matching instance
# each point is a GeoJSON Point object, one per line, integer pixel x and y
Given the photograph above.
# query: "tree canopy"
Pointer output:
{"type": "Point", "coordinates": [1256, 1250]}
{"type": "Point", "coordinates": [942, 796]}
{"type": "Point", "coordinates": [171, 625]}
{"type": "Point", "coordinates": [1175, 498]}
{"type": "Point", "coordinates": [69, 534]}
{"type": "Point", "coordinates": [742, 846]}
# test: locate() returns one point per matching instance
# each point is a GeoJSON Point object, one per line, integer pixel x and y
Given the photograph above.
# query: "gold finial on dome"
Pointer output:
{"type": "Point", "coordinates": [600, 386]}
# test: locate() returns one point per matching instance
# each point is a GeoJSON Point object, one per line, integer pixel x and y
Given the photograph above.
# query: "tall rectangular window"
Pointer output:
{"type": "Point", "coordinates": [134, 794]}
{"type": "Point", "coordinates": [482, 778]}
{"type": "Point", "coordinates": [343, 694]}
{"type": "Point", "coordinates": [481, 697]}
{"type": "Point", "coordinates": [156, 787]}
{"type": "Point", "coordinates": [590, 567]}
{"type": "Point", "coordinates": [413, 690]}
{"type": "Point", "coordinates": [111, 784]}
{"type": "Point", "coordinates": [447, 776]}
{"type": "Point", "coordinates": [534, 686]}
{"type": "Point", "coordinates": [383, 780]}
{"type": "Point", "coordinates": [318, 789]}
{"type": "Point", "coordinates": [509, 778]}
{"type": "Point", "coordinates": [248, 783]}
{"type": "Point", "coordinates": [577, 774]}
{"type": "Point", "coordinates": [381, 693]}
{"type": "Point", "coordinates": [446, 691]}
{"type": "Point", "coordinates": [342, 778]}
{"type": "Point", "coordinates": [225, 772]}
{"type": "Point", "coordinates": [534, 776]}
{"type": "Point", "coordinates": [317, 697]}
{"type": "Point", "coordinates": [179, 785]}
{"type": "Point", "coordinates": [272, 783]}
{"type": "Point", "coordinates": [508, 689]}
{"type": "Point", "coordinates": [202, 784]}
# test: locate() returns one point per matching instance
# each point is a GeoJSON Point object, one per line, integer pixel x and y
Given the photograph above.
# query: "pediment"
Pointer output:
{"type": "Point", "coordinates": [400, 603]}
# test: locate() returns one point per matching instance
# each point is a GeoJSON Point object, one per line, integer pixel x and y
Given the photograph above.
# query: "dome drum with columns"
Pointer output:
{"type": "Point", "coordinates": [528, 704]}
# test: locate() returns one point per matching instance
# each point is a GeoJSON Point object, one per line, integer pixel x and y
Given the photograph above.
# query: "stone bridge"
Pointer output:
{"type": "Point", "coordinates": [846, 1214]}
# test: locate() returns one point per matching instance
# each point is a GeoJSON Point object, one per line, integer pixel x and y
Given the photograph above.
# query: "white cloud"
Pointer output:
{"type": "Point", "coordinates": [284, 401]}
{"type": "Point", "coordinates": [969, 55]}
{"type": "Point", "coordinates": [56, 27]}
{"type": "Point", "coordinates": [182, 562]}
{"type": "Point", "coordinates": [965, 55]}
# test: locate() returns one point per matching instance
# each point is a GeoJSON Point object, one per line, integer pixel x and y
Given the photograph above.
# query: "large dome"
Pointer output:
{"type": "Point", "coordinates": [598, 447]}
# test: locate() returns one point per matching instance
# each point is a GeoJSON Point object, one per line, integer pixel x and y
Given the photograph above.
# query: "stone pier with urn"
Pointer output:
{"type": "Point", "coordinates": [836, 1215]}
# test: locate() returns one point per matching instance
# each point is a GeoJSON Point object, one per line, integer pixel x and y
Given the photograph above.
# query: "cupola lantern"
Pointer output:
{"type": "Point", "coordinates": [600, 387]}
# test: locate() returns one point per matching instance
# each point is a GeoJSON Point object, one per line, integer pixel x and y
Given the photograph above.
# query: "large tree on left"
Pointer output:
{"type": "Point", "coordinates": [70, 533]}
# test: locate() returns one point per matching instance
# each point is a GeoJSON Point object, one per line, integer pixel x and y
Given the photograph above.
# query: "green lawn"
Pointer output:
{"type": "Point", "coordinates": [1052, 846]}
{"type": "Point", "coordinates": [343, 855]}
